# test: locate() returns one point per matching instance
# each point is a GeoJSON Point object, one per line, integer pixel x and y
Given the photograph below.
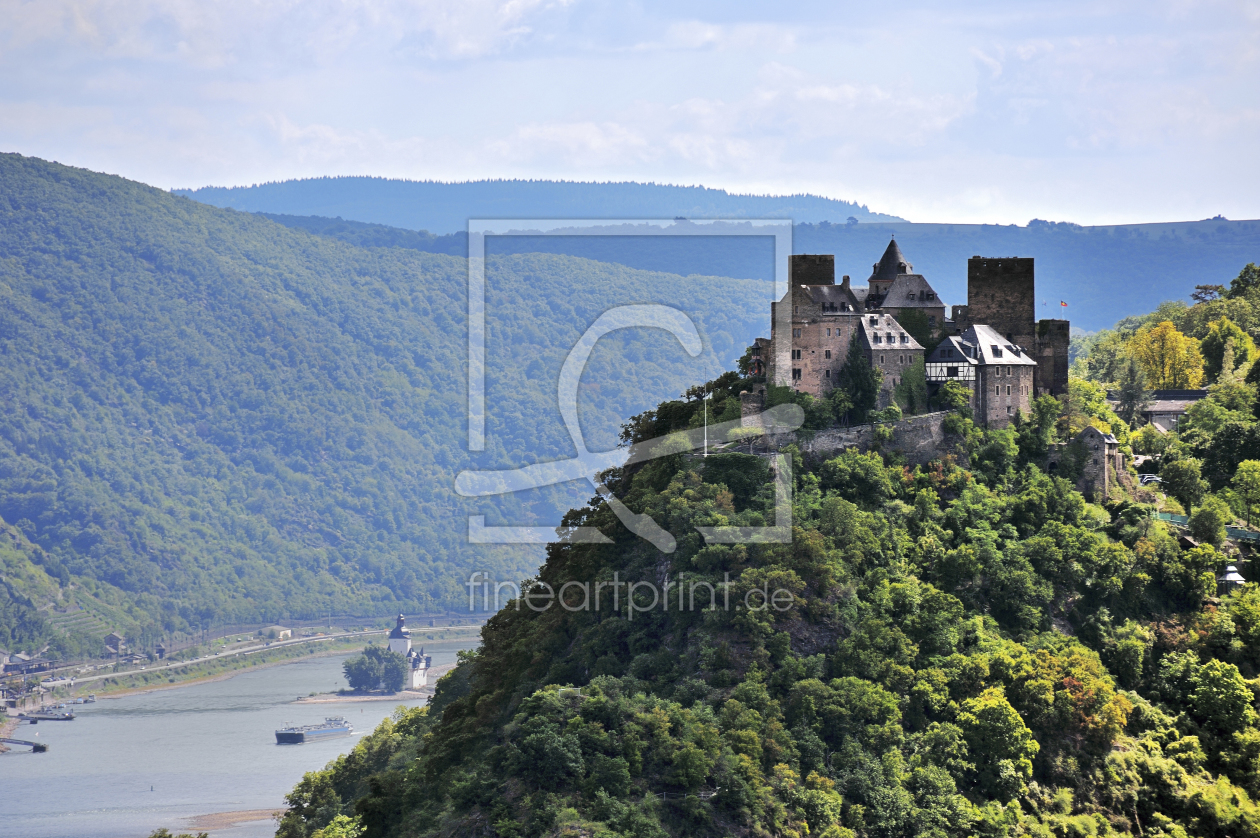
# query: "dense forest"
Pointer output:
{"type": "Point", "coordinates": [970, 647]}
{"type": "Point", "coordinates": [209, 416]}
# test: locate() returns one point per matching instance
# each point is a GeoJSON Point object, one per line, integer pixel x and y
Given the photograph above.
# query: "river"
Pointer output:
{"type": "Point", "coordinates": [130, 765]}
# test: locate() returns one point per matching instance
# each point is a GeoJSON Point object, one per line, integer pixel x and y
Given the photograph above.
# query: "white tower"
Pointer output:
{"type": "Point", "coordinates": [400, 637]}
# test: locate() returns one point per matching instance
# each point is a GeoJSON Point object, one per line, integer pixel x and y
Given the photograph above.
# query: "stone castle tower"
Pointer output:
{"type": "Point", "coordinates": [1001, 293]}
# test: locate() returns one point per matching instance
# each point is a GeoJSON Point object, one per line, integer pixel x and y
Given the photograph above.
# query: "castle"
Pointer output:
{"type": "Point", "coordinates": [992, 345]}
{"type": "Point", "coordinates": [418, 663]}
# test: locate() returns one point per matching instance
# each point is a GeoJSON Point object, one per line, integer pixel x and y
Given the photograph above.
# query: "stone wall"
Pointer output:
{"type": "Point", "coordinates": [918, 438]}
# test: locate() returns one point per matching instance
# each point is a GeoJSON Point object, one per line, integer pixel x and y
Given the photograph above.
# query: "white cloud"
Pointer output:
{"type": "Point", "coordinates": [985, 112]}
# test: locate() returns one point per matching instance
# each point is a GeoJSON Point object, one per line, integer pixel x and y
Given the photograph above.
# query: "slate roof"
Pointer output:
{"type": "Point", "coordinates": [1107, 438]}
{"type": "Point", "coordinates": [960, 352]}
{"type": "Point", "coordinates": [991, 348]}
{"type": "Point", "coordinates": [889, 333]}
{"type": "Point", "coordinates": [892, 263]}
{"type": "Point", "coordinates": [912, 291]}
{"type": "Point", "coordinates": [400, 632]}
{"type": "Point", "coordinates": [838, 295]}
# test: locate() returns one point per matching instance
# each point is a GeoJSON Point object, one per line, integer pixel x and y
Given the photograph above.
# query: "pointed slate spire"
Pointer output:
{"type": "Point", "coordinates": [893, 262]}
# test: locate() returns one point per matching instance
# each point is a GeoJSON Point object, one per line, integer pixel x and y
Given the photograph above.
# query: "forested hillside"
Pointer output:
{"type": "Point", "coordinates": [212, 417]}
{"type": "Point", "coordinates": [965, 648]}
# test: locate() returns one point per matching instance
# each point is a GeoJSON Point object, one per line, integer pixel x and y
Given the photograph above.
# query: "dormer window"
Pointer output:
{"type": "Point", "coordinates": [874, 321]}
{"type": "Point", "coordinates": [877, 338]}
{"type": "Point", "coordinates": [997, 351]}
{"type": "Point", "coordinates": [905, 338]}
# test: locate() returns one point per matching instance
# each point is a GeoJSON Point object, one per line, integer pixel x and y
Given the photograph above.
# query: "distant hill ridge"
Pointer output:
{"type": "Point", "coordinates": [1103, 273]}
{"type": "Point", "coordinates": [443, 207]}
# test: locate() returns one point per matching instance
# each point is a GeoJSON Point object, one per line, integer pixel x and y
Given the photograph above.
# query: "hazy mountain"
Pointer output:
{"type": "Point", "coordinates": [1102, 273]}
{"type": "Point", "coordinates": [446, 207]}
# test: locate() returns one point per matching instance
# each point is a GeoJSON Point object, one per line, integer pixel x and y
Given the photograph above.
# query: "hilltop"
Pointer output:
{"type": "Point", "coordinates": [968, 647]}
{"type": "Point", "coordinates": [446, 207]}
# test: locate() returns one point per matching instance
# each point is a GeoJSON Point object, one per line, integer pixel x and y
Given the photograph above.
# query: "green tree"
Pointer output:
{"type": "Point", "coordinates": [1034, 434]}
{"type": "Point", "coordinates": [1223, 334]}
{"type": "Point", "coordinates": [341, 826]}
{"type": "Point", "coordinates": [1246, 483]}
{"type": "Point", "coordinates": [1248, 280]}
{"type": "Point", "coordinates": [955, 396]}
{"type": "Point", "coordinates": [915, 322]}
{"type": "Point", "coordinates": [994, 728]}
{"type": "Point", "coordinates": [861, 478]}
{"type": "Point", "coordinates": [1134, 397]}
{"type": "Point", "coordinates": [1222, 700]}
{"type": "Point", "coordinates": [1184, 481]}
{"type": "Point", "coordinates": [313, 804]}
{"type": "Point", "coordinates": [1208, 522]}
{"type": "Point", "coordinates": [1149, 440]}
{"type": "Point", "coordinates": [1103, 356]}
{"type": "Point", "coordinates": [860, 380]}
{"type": "Point", "coordinates": [376, 667]}
{"type": "Point", "coordinates": [362, 672]}
{"type": "Point", "coordinates": [911, 392]}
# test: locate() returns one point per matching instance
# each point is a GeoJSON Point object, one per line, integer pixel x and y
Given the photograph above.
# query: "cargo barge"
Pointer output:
{"type": "Point", "coordinates": [297, 734]}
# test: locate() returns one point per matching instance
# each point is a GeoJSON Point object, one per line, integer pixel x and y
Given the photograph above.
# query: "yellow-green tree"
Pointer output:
{"type": "Point", "coordinates": [1171, 360]}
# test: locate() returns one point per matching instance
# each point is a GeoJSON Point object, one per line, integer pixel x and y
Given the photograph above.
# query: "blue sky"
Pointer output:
{"type": "Point", "coordinates": [1094, 112]}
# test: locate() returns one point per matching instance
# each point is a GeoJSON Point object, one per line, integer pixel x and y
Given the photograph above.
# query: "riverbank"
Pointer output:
{"type": "Point", "coordinates": [402, 695]}
{"type": "Point", "coordinates": [226, 665]}
{"type": "Point", "coordinates": [228, 820]}
{"type": "Point", "coordinates": [7, 726]}
{"type": "Point", "coordinates": [124, 691]}
{"type": "Point", "coordinates": [166, 757]}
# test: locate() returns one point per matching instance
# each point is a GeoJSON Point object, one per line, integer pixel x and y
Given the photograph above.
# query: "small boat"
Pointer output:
{"type": "Point", "coordinates": [51, 715]}
{"type": "Point", "coordinates": [297, 734]}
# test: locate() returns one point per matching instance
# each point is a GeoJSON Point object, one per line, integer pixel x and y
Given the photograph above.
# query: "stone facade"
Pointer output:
{"type": "Point", "coordinates": [890, 349]}
{"type": "Point", "coordinates": [825, 317]}
{"type": "Point", "coordinates": [999, 374]}
{"type": "Point", "coordinates": [1099, 457]}
{"type": "Point", "coordinates": [812, 269]}
{"type": "Point", "coordinates": [1054, 339]}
